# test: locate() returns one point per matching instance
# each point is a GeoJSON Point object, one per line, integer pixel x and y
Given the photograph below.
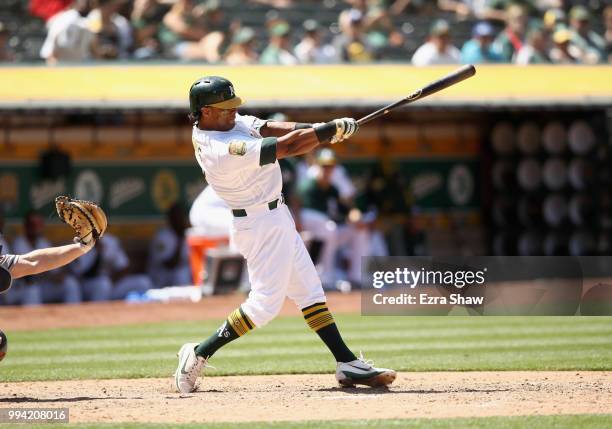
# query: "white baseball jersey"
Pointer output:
{"type": "Point", "coordinates": [239, 164]}
{"type": "Point", "coordinates": [241, 167]}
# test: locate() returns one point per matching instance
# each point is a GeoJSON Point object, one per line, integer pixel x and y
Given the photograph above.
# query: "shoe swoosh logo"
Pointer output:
{"type": "Point", "coordinates": [356, 367]}
{"type": "Point", "coordinates": [356, 376]}
{"type": "Point", "coordinates": [183, 367]}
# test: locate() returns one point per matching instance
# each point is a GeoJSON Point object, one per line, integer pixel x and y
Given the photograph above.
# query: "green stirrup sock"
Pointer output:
{"type": "Point", "coordinates": [322, 322]}
{"type": "Point", "coordinates": [236, 325]}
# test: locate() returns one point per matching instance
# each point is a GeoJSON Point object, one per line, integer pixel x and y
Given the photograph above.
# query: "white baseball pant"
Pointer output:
{"type": "Point", "coordinates": [278, 263]}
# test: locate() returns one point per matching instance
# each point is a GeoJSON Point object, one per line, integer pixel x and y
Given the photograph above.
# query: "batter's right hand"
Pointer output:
{"type": "Point", "coordinates": [345, 127]}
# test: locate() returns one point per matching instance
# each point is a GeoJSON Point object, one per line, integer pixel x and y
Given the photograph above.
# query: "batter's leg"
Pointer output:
{"type": "Point", "coordinates": [322, 322]}
{"type": "Point", "coordinates": [236, 325]}
{"type": "Point", "coordinates": [306, 291]}
{"type": "Point", "coordinates": [266, 245]}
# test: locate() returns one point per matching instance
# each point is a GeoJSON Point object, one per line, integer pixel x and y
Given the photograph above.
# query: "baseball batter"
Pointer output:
{"type": "Point", "coordinates": [238, 154]}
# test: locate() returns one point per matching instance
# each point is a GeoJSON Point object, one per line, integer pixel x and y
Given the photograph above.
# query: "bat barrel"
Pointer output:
{"type": "Point", "coordinates": [457, 76]}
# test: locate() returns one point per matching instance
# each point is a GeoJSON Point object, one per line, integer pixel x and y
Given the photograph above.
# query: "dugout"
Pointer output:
{"type": "Point", "coordinates": [473, 162]}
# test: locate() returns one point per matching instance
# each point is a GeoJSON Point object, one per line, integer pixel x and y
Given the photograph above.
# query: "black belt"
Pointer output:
{"type": "Point", "coordinates": [242, 212]}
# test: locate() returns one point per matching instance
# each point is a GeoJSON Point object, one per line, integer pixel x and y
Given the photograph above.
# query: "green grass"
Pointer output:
{"type": "Point", "coordinates": [287, 346]}
{"type": "Point", "coordinates": [585, 421]}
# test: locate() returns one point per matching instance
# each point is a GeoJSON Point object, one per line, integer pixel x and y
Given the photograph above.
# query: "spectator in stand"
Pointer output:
{"type": "Point", "coordinates": [69, 38]}
{"type": "Point", "coordinates": [53, 286]}
{"type": "Point", "coordinates": [501, 6]}
{"type": "Point", "coordinates": [311, 49]}
{"type": "Point", "coordinates": [169, 256]}
{"type": "Point", "coordinates": [185, 34]}
{"type": "Point", "coordinates": [554, 19]}
{"type": "Point", "coordinates": [511, 39]}
{"type": "Point", "coordinates": [399, 7]}
{"type": "Point", "coordinates": [278, 50]}
{"type": "Point", "coordinates": [217, 40]}
{"type": "Point", "coordinates": [242, 50]}
{"type": "Point", "coordinates": [590, 44]}
{"type": "Point", "coordinates": [103, 272]}
{"type": "Point", "coordinates": [351, 44]}
{"type": "Point", "coordinates": [608, 34]}
{"type": "Point", "coordinates": [536, 49]}
{"type": "Point", "coordinates": [437, 49]}
{"type": "Point", "coordinates": [465, 9]}
{"type": "Point", "coordinates": [378, 26]}
{"type": "Point", "coordinates": [479, 48]}
{"type": "Point", "coordinates": [145, 19]}
{"type": "Point", "coordinates": [564, 52]}
{"type": "Point", "coordinates": [6, 53]}
{"type": "Point", "coordinates": [278, 4]}
{"type": "Point", "coordinates": [113, 31]}
{"type": "Point", "coordinates": [46, 9]}
{"type": "Point", "coordinates": [544, 5]}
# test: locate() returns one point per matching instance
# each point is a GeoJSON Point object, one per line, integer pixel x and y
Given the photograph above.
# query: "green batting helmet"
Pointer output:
{"type": "Point", "coordinates": [214, 91]}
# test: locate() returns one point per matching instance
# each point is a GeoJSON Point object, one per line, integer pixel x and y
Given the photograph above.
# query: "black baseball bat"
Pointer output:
{"type": "Point", "coordinates": [455, 77]}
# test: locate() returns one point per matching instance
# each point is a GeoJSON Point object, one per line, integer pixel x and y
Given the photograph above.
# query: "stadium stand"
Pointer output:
{"type": "Point", "coordinates": [28, 32]}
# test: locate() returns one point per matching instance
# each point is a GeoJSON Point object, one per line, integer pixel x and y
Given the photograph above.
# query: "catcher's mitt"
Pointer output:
{"type": "Point", "coordinates": [86, 218]}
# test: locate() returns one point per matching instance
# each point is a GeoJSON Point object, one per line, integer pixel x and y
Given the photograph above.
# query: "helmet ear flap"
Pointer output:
{"type": "Point", "coordinates": [194, 117]}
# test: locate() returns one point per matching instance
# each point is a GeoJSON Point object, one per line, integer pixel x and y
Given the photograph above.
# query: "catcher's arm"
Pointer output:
{"type": "Point", "coordinates": [41, 260]}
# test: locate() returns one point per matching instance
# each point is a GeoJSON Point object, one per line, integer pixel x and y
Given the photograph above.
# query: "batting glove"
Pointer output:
{"type": "Point", "coordinates": [345, 128]}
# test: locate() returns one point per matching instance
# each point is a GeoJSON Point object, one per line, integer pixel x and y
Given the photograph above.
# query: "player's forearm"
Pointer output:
{"type": "Point", "coordinates": [296, 143]}
{"type": "Point", "coordinates": [276, 129]}
{"type": "Point", "coordinates": [42, 260]}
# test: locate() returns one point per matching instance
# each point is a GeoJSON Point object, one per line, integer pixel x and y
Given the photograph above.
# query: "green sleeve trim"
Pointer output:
{"type": "Point", "coordinates": [267, 155]}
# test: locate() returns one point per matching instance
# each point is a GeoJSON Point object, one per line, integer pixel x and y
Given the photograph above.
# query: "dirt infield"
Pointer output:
{"type": "Point", "coordinates": [314, 397]}
{"type": "Point", "coordinates": [287, 397]}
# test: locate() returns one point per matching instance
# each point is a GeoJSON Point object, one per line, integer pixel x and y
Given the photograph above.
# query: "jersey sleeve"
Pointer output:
{"type": "Point", "coordinates": [252, 121]}
{"type": "Point", "coordinates": [252, 153]}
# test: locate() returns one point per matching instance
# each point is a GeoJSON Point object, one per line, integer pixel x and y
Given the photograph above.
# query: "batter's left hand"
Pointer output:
{"type": "Point", "coordinates": [345, 128]}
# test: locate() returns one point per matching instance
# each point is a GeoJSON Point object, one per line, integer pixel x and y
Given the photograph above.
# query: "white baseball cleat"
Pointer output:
{"type": "Point", "coordinates": [361, 371]}
{"type": "Point", "coordinates": [189, 368]}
